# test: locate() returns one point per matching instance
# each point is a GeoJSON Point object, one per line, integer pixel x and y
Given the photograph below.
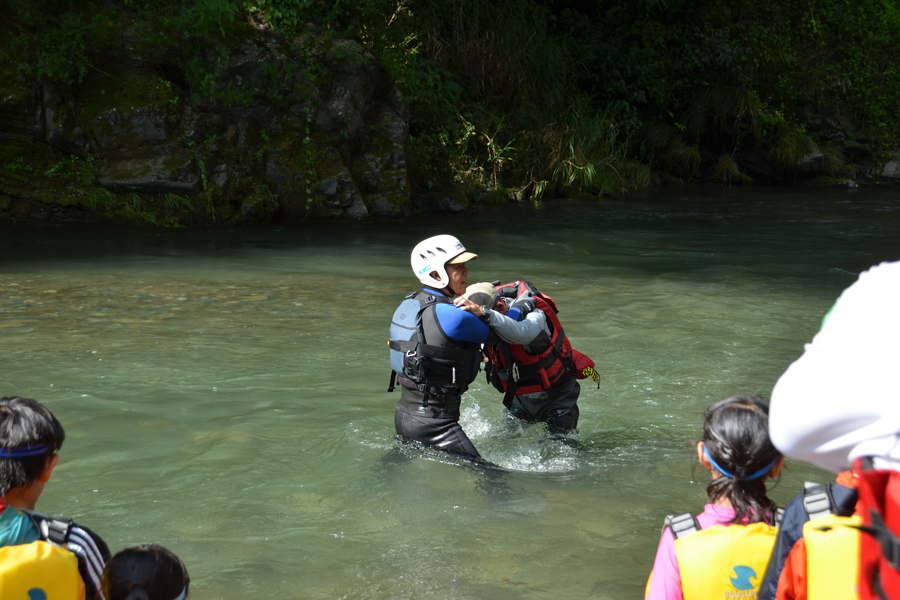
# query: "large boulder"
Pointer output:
{"type": "Point", "coordinates": [812, 163]}
{"type": "Point", "coordinates": [891, 170]}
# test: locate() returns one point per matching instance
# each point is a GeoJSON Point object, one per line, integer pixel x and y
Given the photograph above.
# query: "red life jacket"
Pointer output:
{"type": "Point", "coordinates": [514, 371]}
{"type": "Point", "coordinates": [879, 551]}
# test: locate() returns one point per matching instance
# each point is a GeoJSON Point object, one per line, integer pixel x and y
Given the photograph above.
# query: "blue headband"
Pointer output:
{"type": "Point", "coordinates": [24, 451]}
{"type": "Point", "coordinates": [181, 595]}
{"type": "Point", "coordinates": [755, 475]}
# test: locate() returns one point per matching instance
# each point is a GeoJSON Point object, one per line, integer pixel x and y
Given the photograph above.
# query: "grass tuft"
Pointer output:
{"type": "Point", "coordinates": [727, 172]}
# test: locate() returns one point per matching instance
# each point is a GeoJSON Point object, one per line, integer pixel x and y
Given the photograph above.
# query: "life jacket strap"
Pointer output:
{"type": "Point", "coordinates": [511, 387]}
{"type": "Point", "coordinates": [879, 589]}
{"type": "Point", "coordinates": [393, 380]}
{"type": "Point", "coordinates": [682, 525]}
{"type": "Point", "coordinates": [779, 517]}
{"type": "Point", "coordinates": [817, 500]}
{"type": "Point", "coordinates": [51, 529]}
{"type": "Point", "coordinates": [890, 543]}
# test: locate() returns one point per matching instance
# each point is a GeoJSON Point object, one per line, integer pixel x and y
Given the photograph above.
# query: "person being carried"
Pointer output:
{"type": "Point", "coordinates": [149, 572]}
{"type": "Point", "coordinates": [722, 552]}
{"type": "Point", "coordinates": [436, 348]}
{"type": "Point", "coordinates": [32, 545]}
{"type": "Point", "coordinates": [534, 365]}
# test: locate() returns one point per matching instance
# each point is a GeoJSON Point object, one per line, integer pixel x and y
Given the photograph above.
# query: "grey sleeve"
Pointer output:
{"type": "Point", "coordinates": [518, 332]}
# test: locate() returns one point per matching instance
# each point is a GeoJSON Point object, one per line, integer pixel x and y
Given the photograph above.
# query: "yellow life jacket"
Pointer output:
{"type": "Point", "coordinates": [724, 561]}
{"type": "Point", "coordinates": [39, 571]}
{"type": "Point", "coordinates": [832, 557]}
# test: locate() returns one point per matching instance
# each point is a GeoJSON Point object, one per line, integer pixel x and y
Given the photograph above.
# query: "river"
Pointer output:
{"type": "Point", "coordinates": [224, 391]}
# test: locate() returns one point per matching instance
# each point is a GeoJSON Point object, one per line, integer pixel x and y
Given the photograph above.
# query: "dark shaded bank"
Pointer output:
{"type": "Point", "coordinates": [178, 113]}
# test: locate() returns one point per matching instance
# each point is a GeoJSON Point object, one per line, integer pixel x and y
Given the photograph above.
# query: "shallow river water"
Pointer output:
{"type": "Point", "coordinates": [224, 391]}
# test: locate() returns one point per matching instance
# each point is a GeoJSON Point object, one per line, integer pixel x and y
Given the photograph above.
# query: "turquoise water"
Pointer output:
{"type": "Point", "coordinates": [223, 391]}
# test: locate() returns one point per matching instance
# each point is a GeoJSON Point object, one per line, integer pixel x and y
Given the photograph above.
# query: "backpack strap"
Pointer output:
{"type": "Point", "coordinates": [681, 525]}
{"type": "Point", "coordinates": [50, 529]}
{"type": "Point", "coordinates": [817, 500]}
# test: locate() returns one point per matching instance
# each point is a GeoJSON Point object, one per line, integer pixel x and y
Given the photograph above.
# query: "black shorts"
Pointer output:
{"type": "Point", "coordinates": [436, 428]}
{"type": "Point", "coordinates": [557, 408]}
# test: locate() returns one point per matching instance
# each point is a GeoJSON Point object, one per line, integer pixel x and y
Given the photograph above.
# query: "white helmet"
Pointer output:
{"type": "Point", "coordinates": [431, 255]}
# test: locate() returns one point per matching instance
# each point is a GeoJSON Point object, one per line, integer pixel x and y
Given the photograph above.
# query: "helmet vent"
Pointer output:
{"type": "Point", "coordinates": [442, 250]}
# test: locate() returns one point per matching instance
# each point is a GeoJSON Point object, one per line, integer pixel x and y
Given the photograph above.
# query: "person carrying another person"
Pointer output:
{"type": "Point", "coordinates": [148, 572]}
{"type": "Point", "coordinates": [722, 552]}
{"type": "Point", "coordinates": [838, 407]}
{"type": "Point", "coordinates": [534, 364]}
{"type": "Point", "coordinates": [436, 348]}
{"type": "Point", "coordinates": [38, 552]}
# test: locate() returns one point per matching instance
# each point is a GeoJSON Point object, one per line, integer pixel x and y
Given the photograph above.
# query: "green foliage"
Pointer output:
{"type": "Point", "coordinates": [208, 187]}
{"type": "Point", "coordinates": [727, 171]}
{"type": "Point", "coordinates": [790, 148]}
{"type": "Point", "coordinates": [283, 14]}
{"type": "Point", "coordinates": [204, 20]}
{"type": "Point", "coordinates": [135, 211]}
{"type": "Point", "coordinates": [57, 40]}
{"type": "Point", "coordinates": [101, 199]}
{"type": "Point", "coordinates": [835, 164]}
{"type": "Point", "coordinates": [675, 155]}
{"type": "Point", "coordinates": [308, 162]}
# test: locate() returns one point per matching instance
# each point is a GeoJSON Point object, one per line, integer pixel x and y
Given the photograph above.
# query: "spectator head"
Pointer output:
{"type": "Point", "coordinates": [30, 437]}
{"type": "Point", "coordinates": [483, 294]}
{"type": "Point", "coordinates": [148, 572]}
{"type": "Point", "coordinates": [737, 449]}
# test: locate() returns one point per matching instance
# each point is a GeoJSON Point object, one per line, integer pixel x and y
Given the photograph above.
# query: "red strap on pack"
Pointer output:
{"type": "Point", "coordinates": [878, 491]}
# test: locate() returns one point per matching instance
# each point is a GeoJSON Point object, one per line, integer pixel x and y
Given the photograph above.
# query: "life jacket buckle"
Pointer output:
{"type": "Point", "coordinates": [515, 372]}
{"type": "Point", "coordinates": [412, 363]}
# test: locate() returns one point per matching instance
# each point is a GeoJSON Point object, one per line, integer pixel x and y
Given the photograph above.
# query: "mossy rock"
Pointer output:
{"type": "Point", "coordinates": [126, 90]}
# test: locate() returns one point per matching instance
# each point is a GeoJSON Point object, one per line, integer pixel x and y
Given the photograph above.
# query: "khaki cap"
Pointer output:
{"type": "Point", "coordinates": [461, 258]}
{"type": "Point", "coordinates": [482, 293]}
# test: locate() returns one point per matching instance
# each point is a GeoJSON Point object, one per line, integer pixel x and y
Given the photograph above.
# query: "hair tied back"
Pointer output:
{"type": "Point", "coordinates": [136, 591]}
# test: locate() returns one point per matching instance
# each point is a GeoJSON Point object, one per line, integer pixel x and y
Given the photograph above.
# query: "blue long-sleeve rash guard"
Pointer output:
{"type": "Point", "coordinates": [461, 325]}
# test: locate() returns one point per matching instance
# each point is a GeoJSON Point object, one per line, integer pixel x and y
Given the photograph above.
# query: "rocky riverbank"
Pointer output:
{"type": "Point", "coordinates": [318, 130]}
{"type": "Point", "coordinates": [310, 128]}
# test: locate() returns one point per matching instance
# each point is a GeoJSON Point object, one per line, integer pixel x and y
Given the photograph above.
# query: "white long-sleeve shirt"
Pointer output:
{"type": "Point", "coordinates": [841, 399]}
{"type": "Point", "coordinates": [525, 332]}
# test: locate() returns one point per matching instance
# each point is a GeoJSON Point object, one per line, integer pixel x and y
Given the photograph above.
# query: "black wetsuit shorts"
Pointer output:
{"type": "Point", "coordinates": [557, 407]}
{"type": "Point", "coordinates": [434, 426]}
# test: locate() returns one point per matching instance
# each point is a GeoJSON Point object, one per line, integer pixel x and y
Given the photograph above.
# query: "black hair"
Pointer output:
{"type": "Point", "coordinates": [149, 572]}
{"type": "Point", "coordinates": [26, 422]}
{"type": "Point", "coordinates": [736, 434]}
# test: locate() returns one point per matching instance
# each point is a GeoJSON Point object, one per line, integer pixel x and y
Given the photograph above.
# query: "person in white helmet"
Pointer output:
{"type": "Point", "coordinates": [436, 348]}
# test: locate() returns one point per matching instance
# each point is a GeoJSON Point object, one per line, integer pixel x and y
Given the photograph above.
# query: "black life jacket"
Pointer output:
{"type": "Point", "coordinates": [515, 371]}
{"type": "Point", "coordinates": [433, 363]}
